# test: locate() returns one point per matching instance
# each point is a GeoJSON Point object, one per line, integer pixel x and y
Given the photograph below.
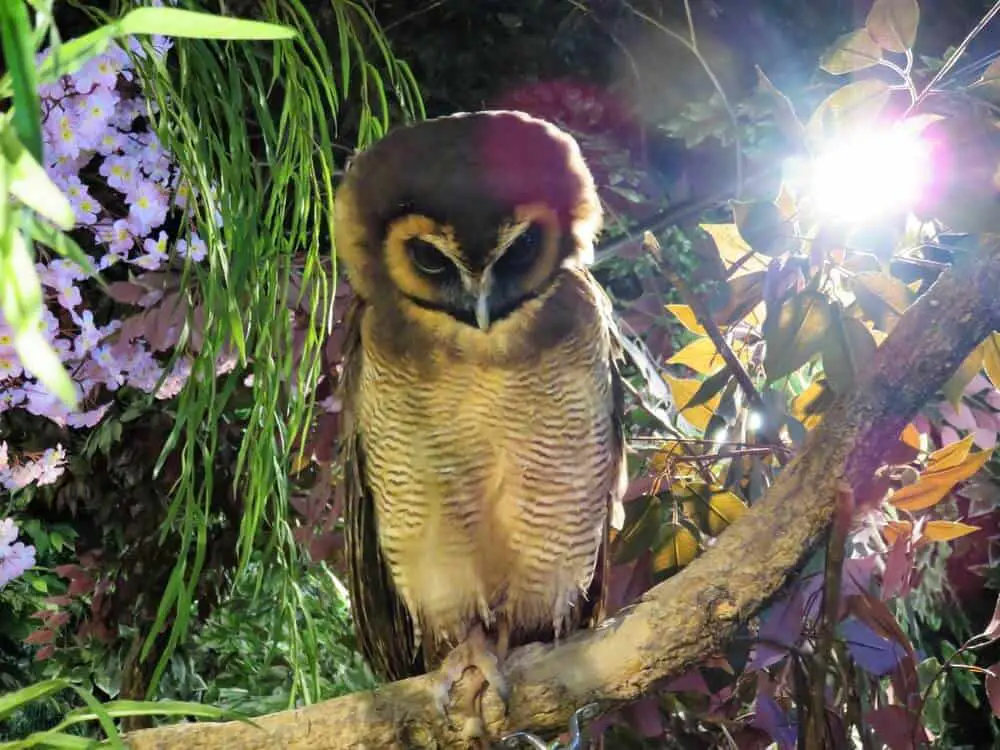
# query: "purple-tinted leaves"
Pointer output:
{"type": "Point", "coordinates": [873, 653]}
{"type": "Point", "coordinates": [896, 726]}
{"type": "Point", "coordinates": [783, 622]}
{"type": "Point", "coordinates": [992, 631]}
{"type": "Point", "coordinates": [645, 717]}
{"type": "Point", "coordinates": [692, 681]}
{"type": "Point", "coordinates": [898, 566]}
{"type": "Point", "coordinates": [769, 718]}
{"type": "Point", "coordinates": [993, 688]}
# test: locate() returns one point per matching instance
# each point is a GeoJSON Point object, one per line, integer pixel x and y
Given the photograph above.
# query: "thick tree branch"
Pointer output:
{"type": "Point", "coordinates": [686, 618]}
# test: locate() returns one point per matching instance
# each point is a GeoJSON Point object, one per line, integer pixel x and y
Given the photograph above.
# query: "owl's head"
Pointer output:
{"type": "Point", "coordinates": [470, 215]}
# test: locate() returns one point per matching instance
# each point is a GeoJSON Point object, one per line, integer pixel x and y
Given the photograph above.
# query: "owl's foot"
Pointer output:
{"type": "Point", "coordinates": [476, 652]}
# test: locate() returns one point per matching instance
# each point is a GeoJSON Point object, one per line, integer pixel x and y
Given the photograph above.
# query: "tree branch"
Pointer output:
{"type": "Point", "coordinates": [683, 620]}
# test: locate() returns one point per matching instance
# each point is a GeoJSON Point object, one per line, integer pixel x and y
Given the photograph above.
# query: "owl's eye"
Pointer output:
{"type": "Point", "coordinates": [427, 258]}
{"type": "Point", "coordinates": [523, 251]}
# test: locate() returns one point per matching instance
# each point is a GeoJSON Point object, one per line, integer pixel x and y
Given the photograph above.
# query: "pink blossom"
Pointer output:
{"type": "Point", "coordinates": [156, 253]}
{"type": "Point", "coordinates": [15, 557]}
{"type": "Point", "coordinates": [88, 418]}
{"type": "Point", "coordinates": [10, 366]}
{"type": "Point", "coordinates": [11, 397]}
{"type": "Point", "coordinates": [120, 172]}
{"type": "Point", "coordinates": [51, 465]}
{"type": "Point", "coordinates": [197, 250]}
{"type": "Point", "coordinates": [62, 133]}
{"type": "Point", "coordinates": [96, 110]}
{"type": "Point", "coordinates": [98, 71]}
{"type": "Point", "coordinates": [148, 207]}
{"type": "Point", "coordinates": [89, 336]}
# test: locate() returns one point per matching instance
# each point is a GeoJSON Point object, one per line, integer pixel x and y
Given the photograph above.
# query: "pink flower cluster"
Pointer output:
{"type": "Point", "coordinates": [122, 184]}
{"type": "Point", "coordinates": [15, 557]}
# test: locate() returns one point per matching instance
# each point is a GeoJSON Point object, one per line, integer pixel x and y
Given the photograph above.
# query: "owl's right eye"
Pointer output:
{"type": "Point", "coordinates": [427, 258]}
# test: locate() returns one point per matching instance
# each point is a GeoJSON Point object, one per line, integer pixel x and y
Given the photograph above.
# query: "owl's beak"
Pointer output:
{"type": "Point", "coordinates": [483, 300]}
{"type": "Point", "coordinates": [481, 289]}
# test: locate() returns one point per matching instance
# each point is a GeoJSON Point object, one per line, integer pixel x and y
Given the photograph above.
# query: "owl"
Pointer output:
{"type": "Point", "coordinates": [482, 404]}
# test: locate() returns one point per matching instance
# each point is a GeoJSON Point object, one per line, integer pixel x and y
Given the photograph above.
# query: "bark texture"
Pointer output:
{"type": "Point", "coordinates": [688, 617]}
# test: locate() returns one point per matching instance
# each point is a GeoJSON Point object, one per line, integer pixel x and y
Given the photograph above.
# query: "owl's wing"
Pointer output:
{"type": "Point", "coordinates": [595, 607]}
{"type": "Point", "coordinates": [383, 626]}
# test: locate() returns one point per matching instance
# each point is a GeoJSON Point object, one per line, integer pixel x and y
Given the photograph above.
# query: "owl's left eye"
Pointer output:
{"type": "Point", "coordinates": [523, 251]}
{"type": "Point", "coordinates": [427, 258]}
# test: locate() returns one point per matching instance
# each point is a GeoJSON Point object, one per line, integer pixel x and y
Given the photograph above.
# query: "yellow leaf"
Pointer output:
{"type": "Point", "coordinates": [670, 450]}
{"type": "Point", "coordinates": [895, 529]}
{"type": "Point", "coordinates": [937, 481]}
{"type": "Point", "coordinates": [679, 549]}
{"type": "Point", "coordinates": [802, 402]}
{"type": "Point", "coordinates": [733, 248]}
{"type": "Point", "coordinates": [893, 24]}
{"type": "Point", "coordinates": [686, 317]}
{"type": "Point", "coordinates": [700, 355]}
{"type": "Point", "coordinates": [724, 508]}
{"type": "Point", "coordinates": [855, 50]}
{"type": "Point", "coordinates": [991, 358]}
{"type": "Point", "coordinates": [946, 531]}
{"type": "Point", "coordinates": [683, 390]}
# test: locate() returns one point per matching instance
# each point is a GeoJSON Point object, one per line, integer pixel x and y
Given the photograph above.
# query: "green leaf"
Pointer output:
{"type": "Point", "coordinates": [795, 333]}
{"type": "Point", "coordinates": [882, 297]}
{"type": "Point", "coordinates": [893, 24]}
{"type": "Point", "coordinates": [11, 702]}
{"type": "Point", "coordinates": [15, 33]}
{"type": "Point", "coordinates": [31, 185]}
{"type": "Point", "coordinates": [187, 23]}
{"type": "Point", "coordinates": [762, 226]}
{"type": "Point", "coordinates": [20, 287]}
{"type": "Point", "coordinates": [641, 527]}
{"type": "Point", "coordinates": [69, 57]}
{"type": "Point", "coordinates": [60, 242]}
{"type": "Point", "coordinates": [850, 107]}
{"type": "Point", "coordinates": [742, 295]}
{"type": "Point", "coordinates": [847, 347]}
{"type": "Point", "coordinates": [852, 52]}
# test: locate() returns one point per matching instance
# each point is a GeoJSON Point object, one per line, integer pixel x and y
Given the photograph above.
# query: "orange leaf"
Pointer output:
{"type": "Point", "coordinates": [951, 455]}
{"type": "Point", "coordinates": [911, 436]}
{"type": "Point", "coordinates": [701, 356]}
{"type": "Point", "coordinates": [946, 531]}
{"type": "Point", "coordinates": [895, 529]}
{"type": "Point", "coordinates": [686, 317]}
{"type": "Point", "coordinates": [946, 468]}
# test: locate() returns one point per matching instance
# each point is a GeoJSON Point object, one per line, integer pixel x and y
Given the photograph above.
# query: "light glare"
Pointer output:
{"type": "Point", "coordinates": [870, 175]}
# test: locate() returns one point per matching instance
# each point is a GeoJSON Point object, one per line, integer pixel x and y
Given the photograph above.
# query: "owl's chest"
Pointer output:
{"type": "Point", "coordinates": [478, 435]}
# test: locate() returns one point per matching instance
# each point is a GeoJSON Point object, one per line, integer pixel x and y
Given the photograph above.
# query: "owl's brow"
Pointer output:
{"type": "Point", "coordinates": [510, 231]}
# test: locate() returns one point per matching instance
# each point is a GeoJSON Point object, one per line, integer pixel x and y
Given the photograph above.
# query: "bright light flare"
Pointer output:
{"type": "Point", "coordinates": [871, 175]}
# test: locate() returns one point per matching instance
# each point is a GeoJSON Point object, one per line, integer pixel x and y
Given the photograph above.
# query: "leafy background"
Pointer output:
{"type": "Point", "coordinates": [186, 532]}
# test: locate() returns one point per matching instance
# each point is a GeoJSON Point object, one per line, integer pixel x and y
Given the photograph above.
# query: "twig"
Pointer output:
{"type": "Point", "coordinates": [959, 51]}
{"type": "Point", "coordinates": [692, 46]}
{"type": "Point", "coordinates": [652, 246]}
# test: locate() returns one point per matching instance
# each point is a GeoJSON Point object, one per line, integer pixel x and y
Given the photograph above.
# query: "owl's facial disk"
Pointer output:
{"type": "Point", "coordinates": [430, 268]}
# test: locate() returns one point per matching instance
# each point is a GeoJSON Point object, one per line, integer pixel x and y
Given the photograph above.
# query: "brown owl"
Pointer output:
{"type": "Point", "coordinates": [483, 443]}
